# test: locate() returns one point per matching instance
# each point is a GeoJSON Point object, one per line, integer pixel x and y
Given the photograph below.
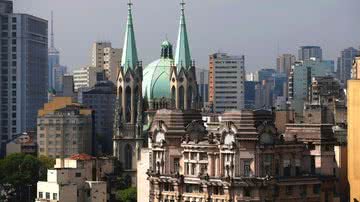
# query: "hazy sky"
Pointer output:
{"type": "Point", "coordinates": [259, 29]}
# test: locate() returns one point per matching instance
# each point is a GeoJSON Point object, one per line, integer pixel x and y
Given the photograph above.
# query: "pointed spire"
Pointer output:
{"type": "Point", "coordinates": [129, 57]}
{"type": "Point", "coordinates": [52, 41]}
{"type": "Point", "coordinates": [182, 55]}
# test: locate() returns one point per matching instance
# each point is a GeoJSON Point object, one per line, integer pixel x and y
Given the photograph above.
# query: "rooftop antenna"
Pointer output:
{"type": "Point", "coordinates": [52, 42]}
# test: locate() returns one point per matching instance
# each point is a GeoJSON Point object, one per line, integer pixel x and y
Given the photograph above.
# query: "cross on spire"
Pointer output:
{"type": "Point", "coordinates": [130, 4]}
{"type": "Point", "coordinates": [182, 3]}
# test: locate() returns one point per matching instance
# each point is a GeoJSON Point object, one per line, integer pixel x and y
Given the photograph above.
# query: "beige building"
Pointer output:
{"type": "Point", "coordinates": [107, 58]}
{"type": "Point", "coordinates": [354, 131]}
{"type": "Point", "coordinates": [87, 77]}
{"type": "Point", "coordinates": [64, 128]}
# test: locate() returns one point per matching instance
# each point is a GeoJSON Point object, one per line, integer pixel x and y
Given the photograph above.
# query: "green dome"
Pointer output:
{"type": "Point", "coordinates": [156, 80]}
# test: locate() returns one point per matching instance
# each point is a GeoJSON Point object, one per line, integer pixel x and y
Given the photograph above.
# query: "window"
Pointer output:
{"type": "Point", "coordinates": [77, 174]}
{"type": "Point", "coordinates": [287, 168]}
{"type": "Point", "coordinates": [289, 190]}
{"type": "Point", "coordinates": [54, 196]}
{"type": "Point", "coordinates": [47, 195]}
{"type": "Point", "coordinates": [193, 169]}
{"type": "Point", "coordinates": [316, 188]}
{"type": "Point", "coordinates": [247, 169]}
{"type": "Point", "coordinates": [176, 165]}
{"type": "Point", "coordinates": [41, 195]}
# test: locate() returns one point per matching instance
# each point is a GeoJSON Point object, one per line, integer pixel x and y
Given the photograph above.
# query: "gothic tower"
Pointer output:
{"type": "Point", "coordinates": [128, 138]}
{"type": "Point", "coordinates": [183, 85]}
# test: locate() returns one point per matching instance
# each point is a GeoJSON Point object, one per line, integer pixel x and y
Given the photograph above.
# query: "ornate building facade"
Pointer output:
{"type": "Point", "coordinates": [240, 157]}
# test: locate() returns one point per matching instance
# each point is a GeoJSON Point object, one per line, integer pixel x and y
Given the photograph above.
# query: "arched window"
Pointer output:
{"type": "Point", "coordinates": [128, 157]}
{"type": "Point", "coordinates": [189, 97]}
{"type": "Point", "coordinates": [128, 104]}
{"type": "Point", "coordinates": [173, 97]}
{"type": "Point", "coordinates": [120, 95]}
{"type": "Point", "coordinates": [181, 97]}
{"type": "Point", "coordinates": [136, 99]}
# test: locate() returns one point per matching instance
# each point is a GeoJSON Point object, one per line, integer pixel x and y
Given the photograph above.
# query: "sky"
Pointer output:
{"type": "Point", "coordinates": [258, 29]}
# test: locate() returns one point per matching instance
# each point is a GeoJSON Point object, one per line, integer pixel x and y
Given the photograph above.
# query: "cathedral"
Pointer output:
{"type": "Point", "coordinates": [167, 83]}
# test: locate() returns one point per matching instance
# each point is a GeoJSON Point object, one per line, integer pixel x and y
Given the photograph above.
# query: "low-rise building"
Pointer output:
{"type": "Point", "coordinates": [23, 143]}
{"type": "Point", "coordinates": [80, 178]}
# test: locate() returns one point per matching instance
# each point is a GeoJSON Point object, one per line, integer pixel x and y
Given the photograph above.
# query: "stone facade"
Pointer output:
{"type": "Point", "coordinates": [241, 157]}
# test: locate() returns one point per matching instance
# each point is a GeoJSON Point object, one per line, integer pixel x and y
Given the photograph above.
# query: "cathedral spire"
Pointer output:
{"type": "Point", "coordinates": [182, 55]}
{"type": "Point", "coordinates": [129, 57]}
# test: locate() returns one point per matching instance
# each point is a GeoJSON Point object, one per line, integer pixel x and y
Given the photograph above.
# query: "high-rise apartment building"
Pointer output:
{"type": "Point", "coordinates": [284, 63]}
{"type": "Point", "coordinates": [101, 98]}
{"type": "Point", "coordinates": [107, 58]}
{"type": "Point", "coordinates": [353, 140]}
{"type": "Point", "coordinates": [58, 73]}
{"type": "Point", "coordinates": [344, 64]}
{"type": "Point", "coordinates": [53, 55]}
{"type": "Point", "coordinates": [226, 81]}
{"type": "Point", "coordinates": [308, 52]}
{"type": "Point", "coordinates": [24, 71]}
{"type": "Point", "coordinates": [64, 128]}
{"type": "Point", "coordinates": [87, 77]}
{"type": "Point", "coordinates": [301, 78]}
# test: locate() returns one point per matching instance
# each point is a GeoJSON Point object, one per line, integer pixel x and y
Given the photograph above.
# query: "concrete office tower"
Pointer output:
{"type": "Point", "coordinates": [354, 131]}
{"type": "Point", "coordinates": [344, 64]}
{"type": "Point", "coordinates": [53, 54]}
{"type": "Point", "coordinates": [64, 128]}
{"type": "Point", "coordinates": [87, 77]}
{"type": "Point", "coordinates": [101, 98]}
{"type": "Point", "coordinates": [58, 73]}
{"type": "Point", "coordinates": [301, 78]}
{"type": "Point", "coordinates": [107, 58]}
{"type": "Point", "coordinates": [68, 86]}
{"type": "Point", "coordinates": [24, 71]}
{"type": "Point", "coordinates": [226, 81]}
{"type": "Point", "coordinates": [284, 63]}
{"type": "Point", "coordinates": [308, 52]}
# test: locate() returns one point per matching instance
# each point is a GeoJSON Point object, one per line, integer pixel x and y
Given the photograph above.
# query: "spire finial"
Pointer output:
{"type": "Point", "coordinates": [52, 42]}
{"type": "Point", "coordinates": [130, 4]}
{"type": "Point", "coordinates": [182, 3]}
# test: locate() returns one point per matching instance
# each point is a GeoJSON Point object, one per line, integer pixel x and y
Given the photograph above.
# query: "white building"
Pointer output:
{"type": "Point", "coordinates": [74, 179]}
{"type": "Point", "coordinates": [87, 77]}
{"type": "Point", "coordinates": [107, 58]}
{"type": "Point", "coordinates": [70, 185]}
{"type": "Point", "coordinates": [226, 82]}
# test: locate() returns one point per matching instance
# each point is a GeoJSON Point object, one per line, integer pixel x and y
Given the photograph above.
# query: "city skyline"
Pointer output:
{"type": "Point", "coordinates": [333, 29]}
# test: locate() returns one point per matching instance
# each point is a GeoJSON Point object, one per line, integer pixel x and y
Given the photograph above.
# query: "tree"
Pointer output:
{"type": "Point", "coordinates": [19, 174]}
{"type": "Point", "coordinates": [126, 195]}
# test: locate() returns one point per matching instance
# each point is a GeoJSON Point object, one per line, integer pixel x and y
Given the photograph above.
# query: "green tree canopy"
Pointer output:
{"type": "Point", "coordinates": [126, 195]}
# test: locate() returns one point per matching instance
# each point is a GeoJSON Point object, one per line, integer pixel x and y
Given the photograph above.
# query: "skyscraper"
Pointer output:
{"type": "Point", "coordinates": [301, 78]}
{"type": "Point", "coordinates": [53, 55]}
{"type": "Point", "coordinates": [24, 70]}
{"type": "Point", "coordinates": [354, 131]}
{"type": "Point", "coordinates": [344, 64]}
{"type": "Point", "coordinates": [284, 63]}
{"type": "Point", "coordinates": [105, 57]}
{"type": "Point", "coordinates": [226, 81]}
{"type": "Point", "coordinates": [58, 73]}
{"type": "Point", "coordinates": [308, 52]}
